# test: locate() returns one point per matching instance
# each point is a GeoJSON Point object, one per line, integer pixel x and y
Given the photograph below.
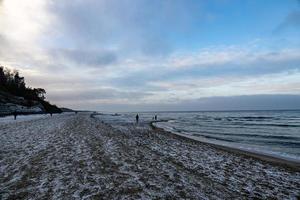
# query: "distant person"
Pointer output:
{"type": "Point", "coordinates": [51, 114]}
{"type": "Point", "coordinates": [137, 118]}
{"type": "Point", "coordinates": [155, 117]}
{"type": "Point", "coordinates": [15, 115]}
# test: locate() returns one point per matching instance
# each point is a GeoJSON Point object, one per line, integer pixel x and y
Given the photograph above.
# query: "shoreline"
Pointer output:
{"type": "Point", "coordinates": [281, 161]}
{"type": "Point", "coordinates": [78, 156]}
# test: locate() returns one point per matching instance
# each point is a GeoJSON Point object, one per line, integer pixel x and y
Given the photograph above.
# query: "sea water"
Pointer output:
{"type": "Point", "coordinates": [268, 132]}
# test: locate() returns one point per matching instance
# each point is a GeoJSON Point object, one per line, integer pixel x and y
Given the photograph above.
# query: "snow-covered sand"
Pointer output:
{"type": "Point", "coordinates": [76, 156]}
{"type": "Point", "coordinates": [10, 118]}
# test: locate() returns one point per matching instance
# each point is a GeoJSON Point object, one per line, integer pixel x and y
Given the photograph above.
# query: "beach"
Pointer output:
{"type": "Point", "coordinates": [277, 160]}
{"type": "Point", "coordinates": [71, 156]}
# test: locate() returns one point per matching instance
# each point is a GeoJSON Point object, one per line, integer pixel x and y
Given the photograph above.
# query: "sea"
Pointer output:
{"type": "Point", "coordinates": [275, 133]}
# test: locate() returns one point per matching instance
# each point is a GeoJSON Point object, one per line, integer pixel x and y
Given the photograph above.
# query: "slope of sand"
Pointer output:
{"type": "Point", "coordinates": [76, 156]}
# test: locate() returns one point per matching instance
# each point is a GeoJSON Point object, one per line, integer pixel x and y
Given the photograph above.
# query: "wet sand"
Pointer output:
{"type": "Point", "coordinates": [284, 162]}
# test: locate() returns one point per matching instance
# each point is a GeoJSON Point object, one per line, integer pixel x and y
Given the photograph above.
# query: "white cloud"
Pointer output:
{"type": "Point", "coordinates": [220, 56]}
{"type": "Point", "coordinates": [89, 49]}
{"type": "Point", "coordinates": [186, 89]}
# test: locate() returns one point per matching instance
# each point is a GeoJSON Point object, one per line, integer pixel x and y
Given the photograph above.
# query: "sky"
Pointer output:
{"type": "Point", "coordinates": [127, 55]}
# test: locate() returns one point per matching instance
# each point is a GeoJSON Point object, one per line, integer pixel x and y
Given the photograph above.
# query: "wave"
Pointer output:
{"type": "Point", "coordinates": [283, 137]}
{"type": "Point", "coordinates": [264, 131]}
{"type": "Point", "coordinates": [264, 142]}
{"type": "Point", "coordinates": [248, 118]}
{"type": "Point", "coordinates": [216, 138]}
{"type": "Point", "coordinates": [290, 144]}
{"type": "Point", "coordinates": [264, 124]}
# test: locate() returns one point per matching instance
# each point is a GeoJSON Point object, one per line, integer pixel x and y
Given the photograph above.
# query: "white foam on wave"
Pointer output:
{"type": "Point", "coordinates": [248, 148]}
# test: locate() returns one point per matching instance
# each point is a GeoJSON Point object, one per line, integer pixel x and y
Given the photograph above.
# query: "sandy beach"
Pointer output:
{"type": "Point", "coordinates": [72, 156]}
{"type": "Point", "coordinates": [283, 161]}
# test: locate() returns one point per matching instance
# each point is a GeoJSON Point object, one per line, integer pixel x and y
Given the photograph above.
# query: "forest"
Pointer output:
{"type": "Point", "coordinates": [12, 83]}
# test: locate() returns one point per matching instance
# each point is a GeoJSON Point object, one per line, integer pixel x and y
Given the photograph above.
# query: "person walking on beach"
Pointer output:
{"type": "Point", "coordinates": [15, 115]}
{"type": "Point", "coordinates": [137, 118]}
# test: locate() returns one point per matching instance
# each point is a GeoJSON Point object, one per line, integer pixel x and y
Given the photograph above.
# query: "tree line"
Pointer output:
{"type": "Point", "coordinates": [12, 83]}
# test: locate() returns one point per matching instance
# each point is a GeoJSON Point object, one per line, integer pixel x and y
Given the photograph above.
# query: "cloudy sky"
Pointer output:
{"type": "Point", "coordinates": [120, 55]}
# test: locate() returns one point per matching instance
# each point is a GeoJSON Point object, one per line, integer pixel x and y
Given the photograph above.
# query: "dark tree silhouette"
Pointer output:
{"type": "Point", "coordinates": [11, 82]}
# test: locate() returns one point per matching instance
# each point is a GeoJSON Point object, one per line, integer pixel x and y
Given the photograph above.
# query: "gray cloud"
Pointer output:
{"type": "Point", "coordinates": [255, 64]}
{"type": "Point", "coordinates": [88, 58]}
{"type": "Point", "coordinates": [123, 23]}
{"type": "Point", "coordinates": [292, 20]}
{"type": "Point", "coordinates": [125, 51]}
{"type": "Point", "coordinates": [250, 102]}
{"type": "Point", "coordinates": [99, 94]}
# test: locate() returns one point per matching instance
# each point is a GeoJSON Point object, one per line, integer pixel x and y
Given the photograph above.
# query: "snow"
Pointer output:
{"type": "Point", "coordinates": [22, 118]}
{"type": "Point", "coordinates": [77, 157]}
